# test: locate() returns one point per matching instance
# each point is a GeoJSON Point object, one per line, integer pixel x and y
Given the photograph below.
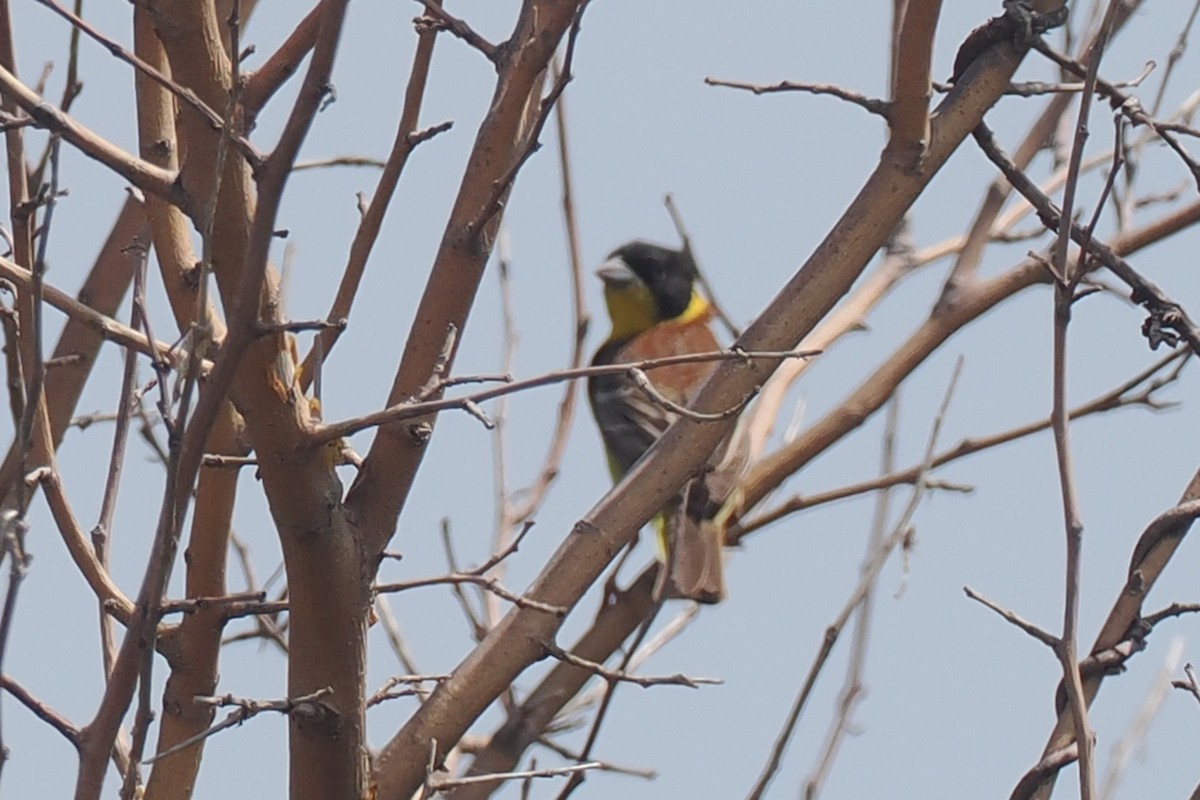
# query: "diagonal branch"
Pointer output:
{"type": "Point", "coordinates": [141, 174]}
{"type": "Point", "coordinates": [1121, 396]}
{"type": "Point", "coordinates": [440, 19]}
{"type": "Point", "coordinates": [184, 94]}
{"type": "Point", "coordinates": [1164, 312]}
{"type": "Point", "coordinates": [80, 312]}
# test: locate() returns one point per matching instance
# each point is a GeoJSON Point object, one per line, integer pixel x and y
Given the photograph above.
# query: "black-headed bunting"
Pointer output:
{"type": "Point", "coordinates": [656, 312]}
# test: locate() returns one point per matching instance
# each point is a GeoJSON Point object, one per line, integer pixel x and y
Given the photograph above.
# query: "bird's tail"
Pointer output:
{"type": "Point", "coordinates": [691, 531]}
{"type": "Point", "coordinates": [693, 543]}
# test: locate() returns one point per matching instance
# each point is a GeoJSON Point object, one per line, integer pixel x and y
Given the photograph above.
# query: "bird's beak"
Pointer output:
{"type": "Point", "coordinates": [617, 274]}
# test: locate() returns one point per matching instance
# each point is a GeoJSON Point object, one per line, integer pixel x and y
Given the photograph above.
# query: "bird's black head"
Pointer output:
{"type": "Point", "coordinates": [668, 274]}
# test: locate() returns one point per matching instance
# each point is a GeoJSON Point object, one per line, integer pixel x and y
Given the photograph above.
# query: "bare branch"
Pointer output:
{"type": "Point", "coordinates": [870, 104]}
{"type": "Point", "coordinates": [106, 326]}
{"type": "Point", "coordinates": [385, 692]}
{"type": "Point", "coordinates": [186, 95]}
{"type": "Point", "coordinates": [615, 676]}
{"type": "Point", "coordinates": [308, 705]}
{"type": "Point", "coordinates": [1132, 741]}
{"type": "Point", "coordinates": [450, 783]}
{"type": "Point", "coordinates": [901, 531]}
{"type": "Point", "coordinates": [1125, 104]}
{"type": "Point", "coordinates": [1191, 685]}
{"type": "Point", "coordinates": [1164, 312]}
{"type": "Point", "coordinates": [58, 722]}
{"type": "Point", "coordinates": [321, 434]}
{"type": "Point", "coordinates": [490, 584]}
{"type": "Point", "coordinates": [1043, 636]}
{"type": "Point", "coordinates": [141, 174]}
{"type": "Point", "coordinates": [701, 276]}
{"type": "Point", "coordinates": [853, 688]}
{"type": "Point", "coordinates": [407, 138]}
{"type": "Point", "coordinates": [440, 19]}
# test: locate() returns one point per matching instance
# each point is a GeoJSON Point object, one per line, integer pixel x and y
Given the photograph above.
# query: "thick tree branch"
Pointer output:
{"type": "Point", "coordinates": [147, 177]}
{"type": "Point", "coordinates": [98, 323]}
{"type": "Point", "coordinates": [908, 113]}
{"type": "Point", "coordinates": [383, 484]}
{"type": "Point", "coordinates": [873, 392]}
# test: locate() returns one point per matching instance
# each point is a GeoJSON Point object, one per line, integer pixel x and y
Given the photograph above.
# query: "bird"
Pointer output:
{"type": "Point", "coordinates": [655, 311]}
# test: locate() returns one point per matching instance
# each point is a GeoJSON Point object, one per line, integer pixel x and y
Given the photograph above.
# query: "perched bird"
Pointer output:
{"type": "Point", "coordinates": [656, 312]}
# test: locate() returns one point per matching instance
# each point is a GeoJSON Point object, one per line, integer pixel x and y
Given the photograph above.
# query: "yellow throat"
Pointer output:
{"type": "Point", "coordinates": [632, 310]}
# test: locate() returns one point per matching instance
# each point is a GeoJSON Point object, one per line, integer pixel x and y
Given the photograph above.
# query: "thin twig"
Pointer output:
{"type": "Point", "coordinates": [490, 584]}
{"type": "Point", "coordinates": [102, 324]}
{"type": "Point", "coordinates": [193, 604]}
{"type": "Point", "coordinates": [1135, 736]}
{"type": "Point", "coordinates": [508, 348]}
{"type": "Point", "coordinates": [1191, 685]}
{"type": "Point", "coordinates": [1043, 636]}
{"type": "Point", "coordinates": [871, 104]}
{"type": "Point", "coordinates": [308, 705]}
{"type": "Point", "coordinates": [499, 556]}
{"type": "Point", "coordinates": [556, 772]}
{"type": "Point", "coordinates": [640, 653]}
{"type": "Point", "coordinates": [102, 532]}
{"type": "Point", "coordinates": [1064, 297]}
{"type": "Point", "coordinates": [1123, 103]}
{"type": "Point", "coordinates": [615, 676]}
{"type": "Point", "coordinates": [1173, 57]}
{"type": "Point", "coordinates": [605, 766]}
{"type": "Point", "coordinates": [478, 628]}
{"type": "Point", "coordinates": [901, 531]}
{"type": "Point", "coordinates": [1166, 315]}
{"type": "Point", "coordinates": [338, 161]}
{"type": "Point", "coordinates": [1118, 397]}
{"type": "Point", "coordinates": [610, 689]}
{"type": "Point", "coordinates": [322, 434]}
{"type": "Point", "coordinates": [45, 713]}
{"type": "Point", "coordinates": [701, 277]}
{"type": "Point", "coordinates": [852, 687]}
{"type": "Point", "coordinates": [399, 647]}
{"type": "Point", "coordinates": [406, 139]}
{"type": "Point", "coordinates": [385, 692]}
{"type": "Point", "coordinates": [440, 19]}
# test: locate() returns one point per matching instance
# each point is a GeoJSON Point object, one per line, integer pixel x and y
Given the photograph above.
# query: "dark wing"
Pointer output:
{"type": "Point", "coordinates": [629, 421]}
